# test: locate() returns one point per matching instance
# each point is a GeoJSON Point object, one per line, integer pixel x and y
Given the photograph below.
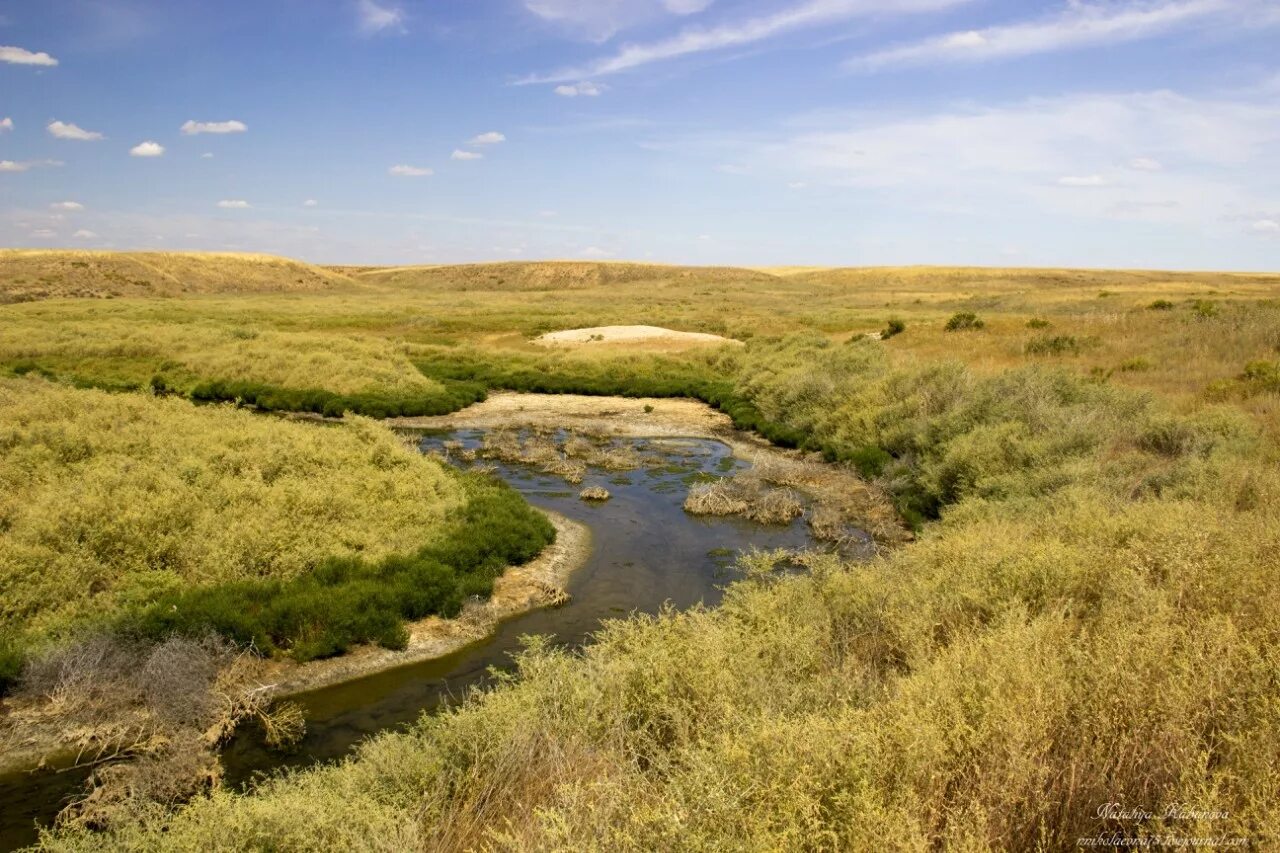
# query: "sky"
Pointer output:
{"type": "Point", "coordinates": [1084, 133]}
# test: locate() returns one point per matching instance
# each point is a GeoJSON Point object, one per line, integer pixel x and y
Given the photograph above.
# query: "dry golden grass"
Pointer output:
{"type": "Point", "coordinates": [107, 499]}
{"type": "Point", "coordinates": [29, 274]}
{"type": "Point", "coordinates": [548, 275]}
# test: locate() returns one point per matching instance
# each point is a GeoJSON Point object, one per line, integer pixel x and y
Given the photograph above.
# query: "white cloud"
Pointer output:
{"type": "Point", "coordinates": [1081, 24]}
{"type": "Point", "coordinates": [459, 154]}
{"type": "Point", "coordinates": [1082, 181]}
{"type": "Point", "coordinates": [1146, 164]}
{"type": "Point", "coordinates": [192, 128]}
{"type": "Point", "coordinates": [20, 56]}
{"type": "Point", "coordinates": [584, 89]}
{"type": "Point", "coordinates": [85, 234]}
{"type": "Point", "coordinates": [44, 233]}
{"type": "Point", "coordinates": [311, 202]}
{"type": "Point", "coordinates": [1003, 162]}
{"type": "Point", "coordinates": [208, 155]}
{"type": "Point", "coordinates": [403, 171]}
{"type": "Point", "coordinates": [233, 204]}
{"type": "Point", "coordinates": [147, 149]}
{"type": "Point", "coordinates": [1265, 226]}
{"type": "Point", "coordinates": [600, 20]}
{"type": "Point", "coordinates": [490, 138]}
{"type": "Point", "coordinates": [810, 13]}
{"type": "Point", "coordinates": [22, 166]}
{"type": "Point", "coordinates": [595, 252]}
{"type": "Point", "coordinates": [6, 124]}
{"type": "Point", "coordinates": [374, 18]}
{"type": "Point", "coordinates": [67, 205]}
{"type": "Point", "coordinates": [63, 130]}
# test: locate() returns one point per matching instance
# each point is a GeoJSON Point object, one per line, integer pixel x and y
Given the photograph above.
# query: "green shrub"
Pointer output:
{"type": "Point", "coordinates": [1038, 323]}
{"type": "Point", "coordinates": [12, 660]}
{"type": "Point", "coordinates": [962, 320]}
{"type": "Point", "coordinates": [1262, 375]}
{"type": "Point", "coordinates": [1161, 305]}
{"type": "Point", "coordinates": [1204, 309]}
{"type": "Point", "coordinates": [1054, 345]}
{"type": "Point", "coordinates": [895, 326]}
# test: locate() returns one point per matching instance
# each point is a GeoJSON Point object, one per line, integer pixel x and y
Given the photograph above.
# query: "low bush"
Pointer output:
{"type": "Point", "coordinates": [1054, 345]}
{"type": "Point", "coordinates": [1161, 305]}
{"type": "Point", "coordinates": [963, 320]}
{"type": "Point", "coordinates": [1204, 309]}
{"type": "Point", "coordinates": [895, 326]}
{"type": "Point", "coordinates": [1038, 323]}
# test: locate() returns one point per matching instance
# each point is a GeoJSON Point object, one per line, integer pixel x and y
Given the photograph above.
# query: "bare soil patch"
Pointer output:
{"type": "Point", "coordinates": [648, 336]}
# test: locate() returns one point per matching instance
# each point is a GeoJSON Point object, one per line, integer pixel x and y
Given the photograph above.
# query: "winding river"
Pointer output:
{"type": "Point", "coordinates": [646, 552]}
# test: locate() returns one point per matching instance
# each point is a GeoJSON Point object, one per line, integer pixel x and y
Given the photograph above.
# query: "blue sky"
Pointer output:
{"type": "Point", "coordinates": [1105, 133]}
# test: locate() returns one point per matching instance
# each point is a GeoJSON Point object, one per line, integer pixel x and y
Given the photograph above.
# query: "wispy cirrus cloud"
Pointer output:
{"type": "Point", "coordinates": [22, 56]}
{"type": "Point", "coordinates": [234, 204]}
{"type": "Point", "coordinates": [738, 33]}
{"type": "Point", "coordinates": [194, 128]}
{"type": "Point", "coordinates": [26, 165]}
{"type": "Point", "coordinates": [1079, 25]}
{"type": "Point", "coordinates": [600, 20]}
{"type": "Point", "coordinates": [374, 18]}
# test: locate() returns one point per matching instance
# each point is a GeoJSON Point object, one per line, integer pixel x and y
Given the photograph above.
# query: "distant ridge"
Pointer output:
{"type": "Point", "coordinates": [31, 274]}
{"type": "Point", "coordinates": [550, 275]}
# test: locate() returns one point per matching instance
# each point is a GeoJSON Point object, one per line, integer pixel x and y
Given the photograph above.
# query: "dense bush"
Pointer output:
{"type": "Point", "coordinates": [454, 396]}
{"type": "Point", "coordinates": [1161, 305]}
{"type": "Point", "coordinates": [963, 320]}
{"type": "Point", "coordinates": [895, 326]}
{"type": "Point", "coordinates": [348, 600]}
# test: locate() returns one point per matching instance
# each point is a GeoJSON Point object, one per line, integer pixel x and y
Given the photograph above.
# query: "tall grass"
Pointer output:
{"type": "Point", "coordinates": [108, 501]}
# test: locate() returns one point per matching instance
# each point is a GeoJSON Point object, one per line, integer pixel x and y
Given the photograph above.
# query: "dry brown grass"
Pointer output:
{"type": "Point", "coordinates": [550, 275]}
{"type": "Point", "coordinates": [31, 274]}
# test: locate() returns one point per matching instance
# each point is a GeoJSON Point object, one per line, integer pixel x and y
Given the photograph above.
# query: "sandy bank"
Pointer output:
{"type": "Point", "coordinates": [648, 336]}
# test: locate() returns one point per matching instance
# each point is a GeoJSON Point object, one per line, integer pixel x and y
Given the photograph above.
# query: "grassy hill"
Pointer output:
{"type": "Point", "coordinates": [31, 274]}
{"type": "Point", "coordinates": [554, 275]}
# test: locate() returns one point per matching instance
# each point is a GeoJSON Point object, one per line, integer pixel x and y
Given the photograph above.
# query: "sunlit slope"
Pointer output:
{"type": "Point", "coordinates": [31, 274]}
{"type": "Point", "coordinates": [112, 499]}
{"type": "Point", "coordinates": [554, 275]}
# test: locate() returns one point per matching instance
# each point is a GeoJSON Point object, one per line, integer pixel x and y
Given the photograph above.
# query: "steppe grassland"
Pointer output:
{"type": "Point", "coordinates": [113, 499]}
{"type": "Point", "coordinates": [1085, 617]}
{"type": "Point", "coordinates": [1089, 621]}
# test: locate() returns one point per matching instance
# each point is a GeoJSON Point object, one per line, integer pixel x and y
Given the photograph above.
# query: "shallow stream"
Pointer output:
{"type": "Point", "coordinates": [646, 552]}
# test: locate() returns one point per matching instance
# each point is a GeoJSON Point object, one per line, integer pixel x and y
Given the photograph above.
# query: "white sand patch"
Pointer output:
{"type": "Point", "coordinates": [630, 335]}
